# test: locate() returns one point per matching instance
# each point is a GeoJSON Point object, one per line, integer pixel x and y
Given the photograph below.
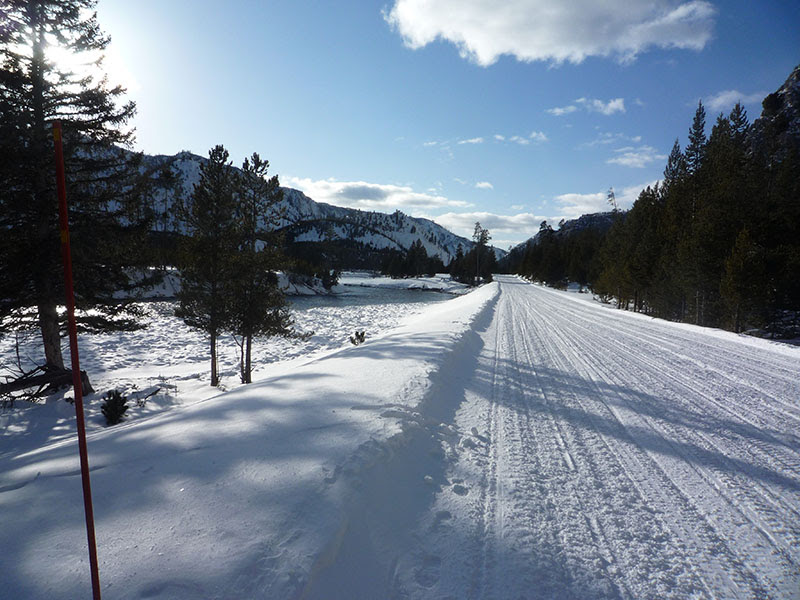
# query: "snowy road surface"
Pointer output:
{"type": "Point", "coordinates": [516, 442]}
{"type": "Point", "coordinates": [599, 454]}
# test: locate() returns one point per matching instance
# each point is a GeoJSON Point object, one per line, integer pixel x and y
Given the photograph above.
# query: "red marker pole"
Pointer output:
{"type": "Point", "coordinates": [73, 348]}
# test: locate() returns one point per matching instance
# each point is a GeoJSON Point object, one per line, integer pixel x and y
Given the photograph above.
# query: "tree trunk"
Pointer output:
{"type": "Point", "coordinates": [51, 336]}
{"type": "Point", "coordinates": [52, 379]}
{"type": "Point", "coordinates": [214, 376]}
{"type": "Point", "coordinates": [48, 315]}
{"type": "Point", "coordinates": [247, 361]}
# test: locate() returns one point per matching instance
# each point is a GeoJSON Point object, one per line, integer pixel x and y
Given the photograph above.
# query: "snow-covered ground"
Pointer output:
{"type": "Point", "coordinates": [515, 442]}
{"type": "Point", "coordinates": [172, 360]}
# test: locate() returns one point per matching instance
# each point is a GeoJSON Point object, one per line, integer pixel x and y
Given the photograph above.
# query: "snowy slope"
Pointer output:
{"type": "Point", "coordinates": [236, 496]}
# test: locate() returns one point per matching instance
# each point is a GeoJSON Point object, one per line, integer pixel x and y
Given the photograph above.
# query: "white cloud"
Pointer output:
{"type": "Point", "coordinates": [553, 30]}
{"type": "Point", "coordinates": [573, 206]}
{"type": "Point", "coordinates": [523, 140]}
{"type": "Point", "coordinates": [606, 108]}
{"type": "Point", "coordinates": [636, 157]}
{"type": "Point", "coordinates": [724, 101]}
{"type": "Point", "coordinates": [430, 144]}
{"type": "Point", "coordinates": [608, 137]}
{"type": "Point", "coordinates": [475, 140]}
{"type": "Point", "coordinates": [538, 136]}
{"type": "Point", "coordinates": [560, 111]}
{"type": "Point", "coordinates": [502, 227]}
{"type": "Point", "coordinates": [369, 196]}
{"type": "Point", "coordinates": [590, 105]}
{"type": "Point", "coordinates": [484, 185]}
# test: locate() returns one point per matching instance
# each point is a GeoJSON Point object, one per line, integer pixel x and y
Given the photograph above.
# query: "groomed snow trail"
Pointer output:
{"type": "Point", "coordinates": [605, 455]}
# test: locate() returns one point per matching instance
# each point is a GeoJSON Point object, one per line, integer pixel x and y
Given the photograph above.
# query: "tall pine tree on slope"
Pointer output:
{"type": "Point", "coordinates": [209, 218]}
{"type": "Point", "coordinates": [101, 176]}
{"type": "Point", "coordinates": [256, 306]}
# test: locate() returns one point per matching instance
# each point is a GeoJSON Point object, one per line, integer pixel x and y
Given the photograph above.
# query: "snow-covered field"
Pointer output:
{"type": "Point", "coordinates": [514, 442]}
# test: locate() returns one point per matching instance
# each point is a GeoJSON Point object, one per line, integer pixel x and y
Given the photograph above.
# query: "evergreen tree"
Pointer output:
{"type": "Point", "coordinates": [101, 176]}
{"type": "Point", "coordinates": [458, 267]}
{"type": "Point", "coordinates": [676, 169]}
{"type": "Point", "coordinates": [739, 125]}
{"type": "Point", "coordinates": [744, 284]}
{"type": "Point", "coordinates": [696, 150]}
{"type": "Point", "coordinates": [256, 306]}
{"type": "Point", "coordinates": [481, 238]}
{"type": "Point", "coordinates": [688, 250]}
{"type": "Point", "coordinates": [209, 217]}
{"type": "Point", "coordinates": [416, 259]}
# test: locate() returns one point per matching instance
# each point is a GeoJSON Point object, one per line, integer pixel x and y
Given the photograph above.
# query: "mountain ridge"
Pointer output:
{"type": "Point", "coordinates": [306, 221]}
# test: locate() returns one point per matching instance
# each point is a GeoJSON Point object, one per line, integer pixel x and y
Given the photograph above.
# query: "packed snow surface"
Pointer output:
{"type": "Point", "coordinates": [514, 442]}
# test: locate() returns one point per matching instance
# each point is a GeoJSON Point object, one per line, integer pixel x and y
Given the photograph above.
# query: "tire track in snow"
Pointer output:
{"type": "Point", "coordinates": [715, 479]}
{"type": "Point", "coordinates": [719, 455]}
{"type": "Point", "coordinates": [600, 479]}
{"type": "Point", "coordinates": [619, 473]}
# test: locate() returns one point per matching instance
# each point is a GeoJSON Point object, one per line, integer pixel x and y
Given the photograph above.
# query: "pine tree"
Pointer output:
{"type": "Point", "coordinates": [101, 175]}
{"type": "Point", "coordinates": [256, 306]}
{"type": "Point", "coordinates": [696, 150]}
{"type": "Point", "coordinates": [481, 238]}
{"type": "Point", "coordinates": [744, 283]}
{"type": "Point", "coordinates": [209, 219]}
{"type": "Point", "coordinates": [676, 169]}
{"type": "Point", "coordinates": [739, 124]}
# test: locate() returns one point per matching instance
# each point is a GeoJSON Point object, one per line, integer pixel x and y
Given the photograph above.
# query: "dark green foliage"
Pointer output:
{"type": "Point", "coordinates": [744, 287]}
{"type": "Point", "coordinates": [209, 219]}
{"type": "Point", "coordinates": [255, 304]}
{"type": "Point", "coordinates": [555, 257]}
{"type": "Point", "coordinates": [717, 244]}
{"type": "Point", "coordinates": [696, 150]}
{"type": "Point", "coordinates": [114, 407]}
{"type": "Point", "coordinates": [358, 338]}
{"type": "Point", "coordinates": [328, 277]}
{"type": "Point", "coordinates": [230, 255]}
{"type": "Point", "coordinates": [103, 184]}
{"type": "Point", "coordinates": [414, 263]}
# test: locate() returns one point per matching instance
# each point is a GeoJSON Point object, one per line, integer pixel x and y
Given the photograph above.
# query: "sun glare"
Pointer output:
{"type": "Point", "coordinates": [85, 63]}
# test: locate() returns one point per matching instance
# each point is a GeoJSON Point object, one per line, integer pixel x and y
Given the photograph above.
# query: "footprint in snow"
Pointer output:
{"type": "Point", "coordinates": [468, 443]}
{"type": "Point", "coordinates": [460, 489]}
{"type": "Point", "coordinates": [482, 438]}
{"type": "Point", "coordinates": [427, 574]}
{"type": "Point", "coordinates": [441, 517]}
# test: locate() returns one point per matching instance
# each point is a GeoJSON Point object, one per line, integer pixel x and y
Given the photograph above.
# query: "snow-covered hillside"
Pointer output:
{"type": "Point", "coordinates": [308, 221]}
{"type": "Point", "coordinates": [515, 442]}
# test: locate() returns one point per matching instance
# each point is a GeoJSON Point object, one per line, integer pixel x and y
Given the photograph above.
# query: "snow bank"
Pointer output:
{"type": "Point", "coordinates": [242, 495]}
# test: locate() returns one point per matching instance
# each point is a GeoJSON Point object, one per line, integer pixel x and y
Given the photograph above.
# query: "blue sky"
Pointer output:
{"type": "Point", "coordinates": [457, 110]}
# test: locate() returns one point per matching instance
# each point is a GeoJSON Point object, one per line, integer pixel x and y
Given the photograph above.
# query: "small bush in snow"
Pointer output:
{"type": "Point", "coordinates": [358, 337]}
{"type": "Point", "coordinates": [114, 407]}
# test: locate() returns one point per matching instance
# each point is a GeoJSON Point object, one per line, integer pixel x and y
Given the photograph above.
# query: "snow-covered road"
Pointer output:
{"type": "Point", "coordinates": [608, 455]}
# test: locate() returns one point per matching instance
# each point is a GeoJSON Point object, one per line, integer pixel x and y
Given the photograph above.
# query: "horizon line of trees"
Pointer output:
{"type": "Point", "coordinates": [716, 243]}
{"type": "Point", "coordinates": [473, 267]}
